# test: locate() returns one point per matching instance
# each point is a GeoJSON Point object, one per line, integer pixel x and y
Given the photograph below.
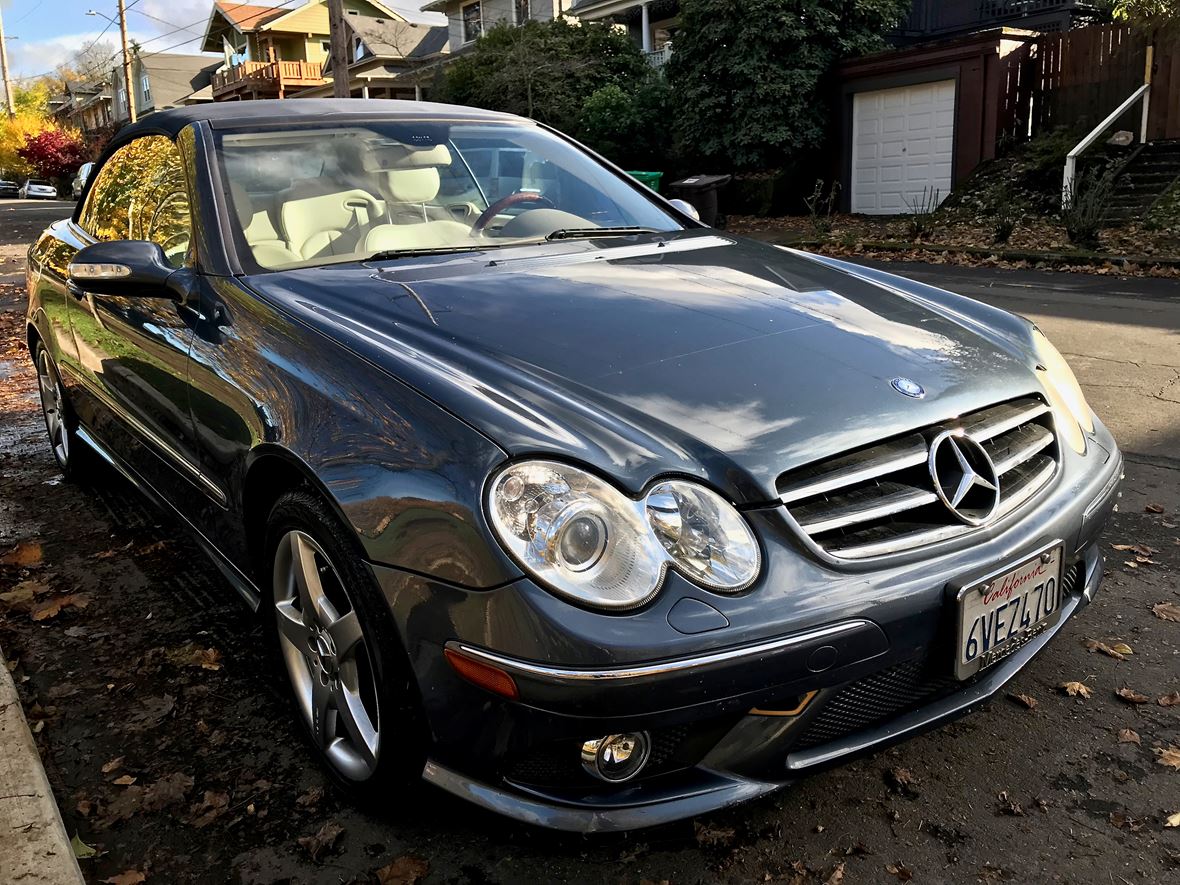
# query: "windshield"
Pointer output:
{"type": "Point", "coordinates": [306, 196]}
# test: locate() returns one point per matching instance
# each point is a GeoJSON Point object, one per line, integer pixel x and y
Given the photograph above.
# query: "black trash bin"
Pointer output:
{"type": "Point", "coordinates": [701, 191]}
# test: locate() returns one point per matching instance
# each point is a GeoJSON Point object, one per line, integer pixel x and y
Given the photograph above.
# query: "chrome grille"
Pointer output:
{"type": "Point", "coordinates": [881, 499]}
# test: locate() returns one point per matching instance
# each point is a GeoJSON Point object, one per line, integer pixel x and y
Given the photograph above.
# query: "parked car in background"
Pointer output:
{"type": "Point", "coordinates": [9, 188]}
{"type": "Point", "coordinates": [547, 493]}
{"type": "Point", "coordinates": [38, 189]}
{"type": "Point", "coordinates": [80, 179]}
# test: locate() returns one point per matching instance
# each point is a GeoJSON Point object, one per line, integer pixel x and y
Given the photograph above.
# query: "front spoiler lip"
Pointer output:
{"type": "Point", "coordinates": [720, 789]}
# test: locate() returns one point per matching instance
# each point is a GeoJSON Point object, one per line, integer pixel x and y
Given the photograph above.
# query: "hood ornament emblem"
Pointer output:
{"type": "Point", "coordinates": [965, 478]}
{"type": "Point", "coordinates": [908, 387]}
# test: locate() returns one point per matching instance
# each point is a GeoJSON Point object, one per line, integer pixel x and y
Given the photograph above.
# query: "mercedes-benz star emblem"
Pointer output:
{"type": "Point", "coordinates": [908, 387]}
{"type": "Point", "coordinates": [964, 477]}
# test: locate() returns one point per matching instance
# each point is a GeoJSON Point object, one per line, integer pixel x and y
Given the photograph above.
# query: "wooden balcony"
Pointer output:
{"type": "Point", "coordinates": [266, 79]}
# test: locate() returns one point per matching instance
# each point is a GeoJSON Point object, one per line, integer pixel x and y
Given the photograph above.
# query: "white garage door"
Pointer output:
{"type": "Point", "coordinates": [902, 143]}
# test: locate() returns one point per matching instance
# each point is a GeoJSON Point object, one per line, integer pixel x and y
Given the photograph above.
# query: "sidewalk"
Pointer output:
{"type": "Point", "coordinates": [34, 848]}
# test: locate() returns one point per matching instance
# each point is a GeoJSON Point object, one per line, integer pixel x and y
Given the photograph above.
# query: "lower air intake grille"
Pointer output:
{"type": "Point", "coordinates": [881, 499]}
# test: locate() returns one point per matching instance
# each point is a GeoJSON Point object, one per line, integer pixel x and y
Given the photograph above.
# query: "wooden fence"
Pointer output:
{"type": "Point", "coordinates": [1075, 78]}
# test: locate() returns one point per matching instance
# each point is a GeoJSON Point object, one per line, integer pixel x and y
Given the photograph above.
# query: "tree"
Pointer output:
{"type": "Point", "coordinates": [1147, 14]}
{"type": "Point", "coordinates": [544, 70]}
{"type": "Point", "coordinates": [750, 78]}
{"type": "Point", "coordinates": [93, 61]}
{"type": "Point", "coordinates": [14, 134]}
{"type": "Point", "coordinates": [53, 153]}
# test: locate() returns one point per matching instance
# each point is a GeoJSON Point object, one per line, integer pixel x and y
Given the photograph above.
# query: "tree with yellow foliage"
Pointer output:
{"type": "Point", "coordinates": [31, 104]}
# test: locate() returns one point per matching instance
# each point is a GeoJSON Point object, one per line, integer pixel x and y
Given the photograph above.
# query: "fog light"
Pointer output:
{"type": "Point", "coordinates": [616, 757]}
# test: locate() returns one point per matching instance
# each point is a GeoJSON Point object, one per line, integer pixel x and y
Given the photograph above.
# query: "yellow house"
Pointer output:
{"type": "Point", "coordinates": [271, 52]}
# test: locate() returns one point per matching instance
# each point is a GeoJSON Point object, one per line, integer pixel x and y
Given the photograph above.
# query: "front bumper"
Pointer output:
{"type": "Point", "coordinates": [835, 633]}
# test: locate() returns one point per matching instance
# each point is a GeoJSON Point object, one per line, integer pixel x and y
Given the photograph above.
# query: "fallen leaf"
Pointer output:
{"type": "Point", "coordinates": [1123, 649]}
{"type": "Point", "coordinates": [211, 807]}
{"type": "Point", "coordinates": [124, 781]}
{"type": "Point", "coordinates": [50, 608]}
{"type": "Point", "coordinates": [192, 655]}
{"type": "Point", "coordinates": [1129, 736]}
{"type": "Point", "coordinates": [902, 780]}
{"type": "Point", "coordinates": [903, 873]}
{"type": "Point", "coordinates": [127, 877]}
{"type": "Point", "coordinates": [712, 836]}
{"type": "Point", "coordinates": [1009, 806]}
{"type": "Point", "coordinates": [323, 841]}
{"type": "Point", "coordinates": [1114, 652]}
{"type": "Point", "coordinates": [1131, 696]}
{"type": "Point", "coordinates": [81, 849]}
{"type": "Point", "coordinates": [19, 598]}
{"type": "Point", "coordinates": [1074, 689]}
{"type": "Point", "coordinates": [1141, 549]}
{"type": "Point", "coordinates": [1173, 820]}
{"type": "Point", "coordinates": [1169, 756]}
{"type": "Point", "coordinates": [1130, 563]}
{"type": "Point", "coordinates": [1154, 508]}
{"type": "Point", "coordinates": [114, 551]}
{"type": "Point", "coordinates": [1169, 700]}
{"type": "Point", "coordinates": [152, 711]}
{"type": "Point", "coordinates": [405, 870]}
{"type": "Point", "coordinates": [154, 547]}
{"type": "Point", "coordinates": [1123, 821]}
{"type": "Point", "coordinates": [310, 798]}
{"type": "Point", "coordinates": [1166, 611]}
{"type": "Point", "coordinates": [837, 875]}
{"type": "Point", "coordinates": [112, 765]}
{"type": "Point", "coordinates": [23, 555]}
{"type": "Point", "coordinates": [168, 790]}
{"type": "Point", "coordinates": [1027, 701]}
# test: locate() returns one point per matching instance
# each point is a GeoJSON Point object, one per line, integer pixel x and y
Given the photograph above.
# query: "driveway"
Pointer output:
{"type": "Point", "coordinates": [172, 752]}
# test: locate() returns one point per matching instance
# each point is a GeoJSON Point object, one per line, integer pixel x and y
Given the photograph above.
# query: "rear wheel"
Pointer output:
{"type": "Point", "coordinates": [59, 423]}
{"type": "Point", "coordinates": [351, 683]}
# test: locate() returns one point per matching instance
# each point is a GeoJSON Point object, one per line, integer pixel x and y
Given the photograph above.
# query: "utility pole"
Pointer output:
{"type": "Point", "coordinates": [339, 54]}
{"type": "Point", "coordinates": [4, 70]}
{"type": "Point", "coordinates": [126, 62]}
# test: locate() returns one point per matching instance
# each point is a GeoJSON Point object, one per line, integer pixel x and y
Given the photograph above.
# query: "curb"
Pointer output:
{"type": "Point", "coordinates": [34, 848]}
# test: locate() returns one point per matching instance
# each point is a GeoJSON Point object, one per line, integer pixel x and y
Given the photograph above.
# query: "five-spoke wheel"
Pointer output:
{"type": "Point", "coordinates": [53, 405]}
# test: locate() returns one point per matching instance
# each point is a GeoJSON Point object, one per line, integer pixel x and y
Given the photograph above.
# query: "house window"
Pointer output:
{"type": "Point", "coordinates": [472, 17]}
{"type": "Point", "coordinates": [326, 45]}
{"type": "Point", "coordinates": [145, 87]}
{"type": "Point", "coordinates": [523, 12]}
{"type": "Point", "coordinates": [358, 49]}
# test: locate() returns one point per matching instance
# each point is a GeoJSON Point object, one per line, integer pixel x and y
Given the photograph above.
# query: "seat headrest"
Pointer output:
{"type": "Point", "coordinates": [401, 156]}
{"type": "Point", "coordinates": [412, 185]}
{"type": "Point", "coordinates": [243, 206]}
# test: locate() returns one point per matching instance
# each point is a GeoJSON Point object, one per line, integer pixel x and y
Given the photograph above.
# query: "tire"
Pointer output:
{"type": "Point", "coordinates": [60, 424]}
{"type": "Point", "coordinates": [352, 688]}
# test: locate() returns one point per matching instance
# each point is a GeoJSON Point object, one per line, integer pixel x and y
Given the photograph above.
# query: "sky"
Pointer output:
{"type": "Point", "coordinates": [48, 32]}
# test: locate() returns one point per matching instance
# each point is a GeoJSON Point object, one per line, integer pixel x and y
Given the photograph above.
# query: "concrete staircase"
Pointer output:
{"type": "Point", "coordinates": [1148, 174]}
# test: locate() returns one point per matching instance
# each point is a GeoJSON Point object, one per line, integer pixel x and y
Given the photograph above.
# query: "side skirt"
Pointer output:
{"type": "Point", "coordinates": [245, 587]}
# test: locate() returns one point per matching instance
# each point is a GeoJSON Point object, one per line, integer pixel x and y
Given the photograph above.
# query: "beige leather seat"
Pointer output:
{"type": "Point", "coordinates": [410, 182]}
{"type": "Point", "coordinates": [258, 228]}
{"type": "Point", "coordinates": [320, 217]}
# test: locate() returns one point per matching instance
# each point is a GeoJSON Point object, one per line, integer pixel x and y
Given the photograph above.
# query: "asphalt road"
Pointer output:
{"type": "Point", "coordinates": [223, 789]}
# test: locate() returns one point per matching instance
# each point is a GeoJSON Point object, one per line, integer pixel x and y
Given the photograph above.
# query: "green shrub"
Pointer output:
{"type": "Point", "coordinates": [923, 218]}
{"type": "Point", "coordinates": [820, 207]}
{"type": "Point", "coordinates": [1083, 207]}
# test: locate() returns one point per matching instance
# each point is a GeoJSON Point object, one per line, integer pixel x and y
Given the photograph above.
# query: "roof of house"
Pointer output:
{"type": "Point", "coordinates": [174, 77]}
{"type": "Point", "coordinates": [248, 16]}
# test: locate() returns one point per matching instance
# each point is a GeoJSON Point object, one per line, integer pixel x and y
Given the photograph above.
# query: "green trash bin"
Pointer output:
{"type": "Point", "coordinates": [651, 179]}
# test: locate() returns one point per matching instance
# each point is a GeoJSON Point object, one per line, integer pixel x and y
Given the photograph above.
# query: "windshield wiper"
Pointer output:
{"type": "Point", "coordinates": [579, 233]}
{"type": "Point", "coordinates": [430, 250]}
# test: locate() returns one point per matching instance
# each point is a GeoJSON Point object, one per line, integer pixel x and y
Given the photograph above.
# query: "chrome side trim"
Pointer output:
{"type": "Point", "coordinates": [153, 438]}
{"type": "Point", "coordinates": [643, 671]}
{"type": "Point", "coordinates": [894, 502]}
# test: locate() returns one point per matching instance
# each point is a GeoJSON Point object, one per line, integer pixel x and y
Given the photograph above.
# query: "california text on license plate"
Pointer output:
{"type": "Point", "coordinates": [999, 615]}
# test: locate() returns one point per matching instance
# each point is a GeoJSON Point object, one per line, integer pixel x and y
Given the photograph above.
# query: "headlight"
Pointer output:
{"type": "Point", "coordinates": [587, 541]}
{"type": "Point", "coordinates": [1065, 395]}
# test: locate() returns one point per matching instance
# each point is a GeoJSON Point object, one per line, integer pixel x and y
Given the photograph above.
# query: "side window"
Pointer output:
{"type": "Point", "coordinates": [141, 194]}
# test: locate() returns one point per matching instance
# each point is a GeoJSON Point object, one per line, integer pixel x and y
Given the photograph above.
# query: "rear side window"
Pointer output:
{"type": "Point", "coordinates": [141, 194]}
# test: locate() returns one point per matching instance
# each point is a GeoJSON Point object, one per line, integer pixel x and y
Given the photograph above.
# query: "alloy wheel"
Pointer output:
{"type": "Point", "coordinates": [323, 647]}
{"type": "Point", "coordinates": [53, 406]}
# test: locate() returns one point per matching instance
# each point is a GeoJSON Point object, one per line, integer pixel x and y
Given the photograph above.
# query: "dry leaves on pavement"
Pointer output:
{"type": "Point", "coordinates": [211, 807]}
{"type": "Point", "coordinates": [405, 870]}
{"type": "Point", "coordinates": [323, 841]}
{"type": "Point", "coordinates": [50, 608]}
{"type": "Point", "coordinates": [23, 555]}
{"type": "Point", "coordinates": [1131, 696]}
{"type": "Point", "coordinates": [1027, 701]}
{"type": "Point", "coordinates": [1130, 736]}
{"type": "Point", "coordinates": [127, 877]}
{"type": "Point", "coordinates": [1141, 549]}
{"type": "Point", "coordinates": [1166, 611]}
{"type": "Point", "coordinates": [1154, 508]}
{"type": "Point", "coordinates": [903, 873]}
{"type": "Point", "coordinates": [1119, 650]}
{"type": "Point", "coordinates": [1169, 756]}
{"type": "Point", "coordinates": [837, 875]}
{"type": "Point", "coordinates": [1169, 700]}
{"type": "Point", "coordinates": [711, 836]}
{"type": "Point", "coordinates": [1075, 689]}
{"type": "Point", "coordinates": [1123, 821]}
{"type": "Point", "coordinates": [1173, 820]}
{"type": "Point", "coordinates": [192, 655]}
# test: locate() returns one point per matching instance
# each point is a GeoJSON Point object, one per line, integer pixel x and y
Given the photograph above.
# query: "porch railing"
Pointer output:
{"type": "Point", "coordinates": [657, 58]}
{"type": "Point", "coordinates": [285, 73]}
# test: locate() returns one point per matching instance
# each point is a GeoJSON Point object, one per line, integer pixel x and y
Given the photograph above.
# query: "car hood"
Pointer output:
{"type": "Point", "coordinates": [702, 354]}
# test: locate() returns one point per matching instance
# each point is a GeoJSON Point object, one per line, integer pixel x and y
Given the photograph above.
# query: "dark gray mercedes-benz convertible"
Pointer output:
{"type": "Point", "coordinates": [576, 508]}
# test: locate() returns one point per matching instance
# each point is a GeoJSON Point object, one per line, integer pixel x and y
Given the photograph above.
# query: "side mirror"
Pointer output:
{"type": "Point", "coordinates": [134, 268]}
{"type": "Point", "coordinates": [687, 208]}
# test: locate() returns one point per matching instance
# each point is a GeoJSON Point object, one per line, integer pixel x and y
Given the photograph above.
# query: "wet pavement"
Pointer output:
{"type": "Point", "coordinates": [172, 752]}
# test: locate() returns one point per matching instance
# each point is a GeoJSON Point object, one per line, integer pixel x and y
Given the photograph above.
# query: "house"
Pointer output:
{"type": "Point", "coordinates": [651, 23]}
{"type": "Point", "coordinates": [389, 58]}
{"type": "Point", "coordinates": [85, 106]}
{"type": "Point", "coordinates": [935, 19]}
{"type": "Point", "coordinates": [162, 80]}
{"type": "Point", "coordinates": [468, 19]}
{"type": "Point", "coordinates": [272, 52]}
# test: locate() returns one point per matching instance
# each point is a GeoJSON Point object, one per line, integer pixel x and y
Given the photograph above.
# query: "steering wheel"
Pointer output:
{"type": "Point", "coordinates": [503, 203]}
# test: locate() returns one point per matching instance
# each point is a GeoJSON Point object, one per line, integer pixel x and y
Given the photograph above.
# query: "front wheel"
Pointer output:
{"type": "Point", "coordinates": [351, 682]}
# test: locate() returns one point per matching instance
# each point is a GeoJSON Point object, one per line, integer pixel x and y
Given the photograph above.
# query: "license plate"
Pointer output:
{"type": "Point", "coordinates": [999, 615]}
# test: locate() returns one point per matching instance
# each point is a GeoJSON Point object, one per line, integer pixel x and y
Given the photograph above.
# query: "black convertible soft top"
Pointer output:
{"type": "Point", "coordinates": [233, 114]}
